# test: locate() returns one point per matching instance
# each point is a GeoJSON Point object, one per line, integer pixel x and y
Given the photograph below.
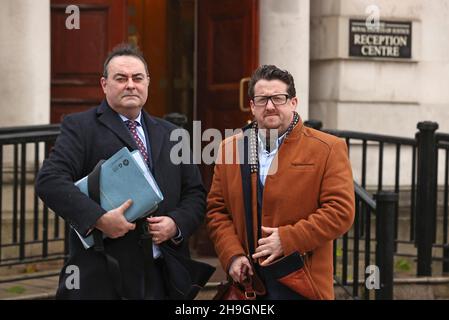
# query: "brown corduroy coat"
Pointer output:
{"type": "Point", "coordinates": [310, 198]}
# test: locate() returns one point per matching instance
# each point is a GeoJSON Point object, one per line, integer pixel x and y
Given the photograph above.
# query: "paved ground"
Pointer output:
{"type": "Point", "coordinates": [45, 288]}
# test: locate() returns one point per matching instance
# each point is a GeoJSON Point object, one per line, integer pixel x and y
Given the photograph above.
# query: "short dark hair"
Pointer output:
{"type": "Point", "coordinates": [271, 72]}
{"type": "Point", "coordinates": [124, 49]}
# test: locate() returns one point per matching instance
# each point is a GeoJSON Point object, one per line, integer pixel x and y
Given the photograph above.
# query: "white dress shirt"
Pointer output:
{"type": "Point", "coordinates": [265, 157]}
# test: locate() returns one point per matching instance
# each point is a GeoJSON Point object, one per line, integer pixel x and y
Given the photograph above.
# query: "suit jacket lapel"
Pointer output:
{"type": "Point", "coordinates": [110, 119]}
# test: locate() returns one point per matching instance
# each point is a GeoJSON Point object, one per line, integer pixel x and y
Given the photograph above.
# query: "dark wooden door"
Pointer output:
{"type": "Point", "coordinates": [77, 55]}
{"type": "Point", "coordinates": [228, 38]}
{"type": "Point", "coordinates": [228, 41]}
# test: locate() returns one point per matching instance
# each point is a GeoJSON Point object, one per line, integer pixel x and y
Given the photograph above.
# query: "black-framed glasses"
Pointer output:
{"type": "Point", "coordinates": [277, 100]}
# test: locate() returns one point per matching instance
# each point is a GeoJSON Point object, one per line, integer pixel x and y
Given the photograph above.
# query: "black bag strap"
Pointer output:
{"type": "Point", "coordinates": [146, 243]}
{"type": "Point", "coordinates": [245, 171]}
{"type": "Point", "coordinates": [113, 267]}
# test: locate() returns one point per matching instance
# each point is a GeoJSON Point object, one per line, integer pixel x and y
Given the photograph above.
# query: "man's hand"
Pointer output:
{"type": "Point", "coordinates": [270, 246]}
{"type": "Point", "coordinates": [162, 228]}
{"type": "Point", "coordinates": [113, 223]}
{"type": "Point", "coordinates": [240, 268]}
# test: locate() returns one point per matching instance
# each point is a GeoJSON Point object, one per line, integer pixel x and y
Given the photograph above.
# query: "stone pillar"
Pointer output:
{"type": "Point", "coordinates": [284, 42]}
{"type": "Point", "coordinates": [24, 62]}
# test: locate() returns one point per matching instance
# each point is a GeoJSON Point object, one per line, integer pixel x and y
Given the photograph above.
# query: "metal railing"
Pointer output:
{"type": "Point", "coordinates": [28, 233]}
{"type": "Point", "coordinates": [428, 238]}
{"type": "Point", "coordinates": [430, 145]}
{"type": "Point", "coordinates": [363, 265]}
{"type": "Point", "coordinates": [442, 140]}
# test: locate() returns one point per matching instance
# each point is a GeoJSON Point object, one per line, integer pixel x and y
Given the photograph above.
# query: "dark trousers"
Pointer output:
{"type": "Point", "coordinates": [275, 289]}
{"type": "Point", "coordinates": [158, 290]}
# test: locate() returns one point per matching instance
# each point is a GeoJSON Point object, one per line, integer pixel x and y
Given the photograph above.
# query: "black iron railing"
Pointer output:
{"type": "Point", "coordinates": [363, 262]}
{"type": "Point", "coordinates": [422, 190]}
{"type": "Point", "coordinates": [28, 234]}
{"type": "Point", "coordinates": [442, 140]}
{"type": "Point", "coordinates": [377, 144]}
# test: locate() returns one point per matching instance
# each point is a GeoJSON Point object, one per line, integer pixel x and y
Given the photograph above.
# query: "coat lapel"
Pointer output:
{"type": "Point", "coordinates": [156, 136]}
{"type": "Point", "coordinates": [110, 119]}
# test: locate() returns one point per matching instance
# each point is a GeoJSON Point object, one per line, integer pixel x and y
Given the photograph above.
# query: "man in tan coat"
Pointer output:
{"type": "Point", "coordinates": [281, 193]}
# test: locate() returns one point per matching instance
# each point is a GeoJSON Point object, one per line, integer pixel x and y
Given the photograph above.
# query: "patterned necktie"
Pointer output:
{"type": "Point", "coordinates": [132, 126]}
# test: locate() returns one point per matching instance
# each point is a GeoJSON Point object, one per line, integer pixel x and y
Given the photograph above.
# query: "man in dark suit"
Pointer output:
{"type": "Point", "coordinates": [88, 137]}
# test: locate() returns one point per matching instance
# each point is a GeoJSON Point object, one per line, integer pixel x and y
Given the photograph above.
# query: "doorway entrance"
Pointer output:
{"type": "Point", "coordinates": [165, 32]}
{"type": "Point", "coordinates": [199, 53]}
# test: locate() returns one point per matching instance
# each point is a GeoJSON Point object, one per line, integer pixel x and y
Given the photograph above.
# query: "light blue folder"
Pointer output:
{"type": "Point", "coordinates": [125, 176]}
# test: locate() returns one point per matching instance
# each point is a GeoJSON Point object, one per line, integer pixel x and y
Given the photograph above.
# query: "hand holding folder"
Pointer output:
{"type": "Point", "coordinates": [113, 223]}
{"type": "Point", "coordinates": [125, 176]}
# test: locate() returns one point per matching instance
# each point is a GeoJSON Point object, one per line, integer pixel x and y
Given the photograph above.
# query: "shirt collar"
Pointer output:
{"type": "Point", "coordinates": [124, 119]}
{"type": "Point", "coordinates": [278, 142]}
